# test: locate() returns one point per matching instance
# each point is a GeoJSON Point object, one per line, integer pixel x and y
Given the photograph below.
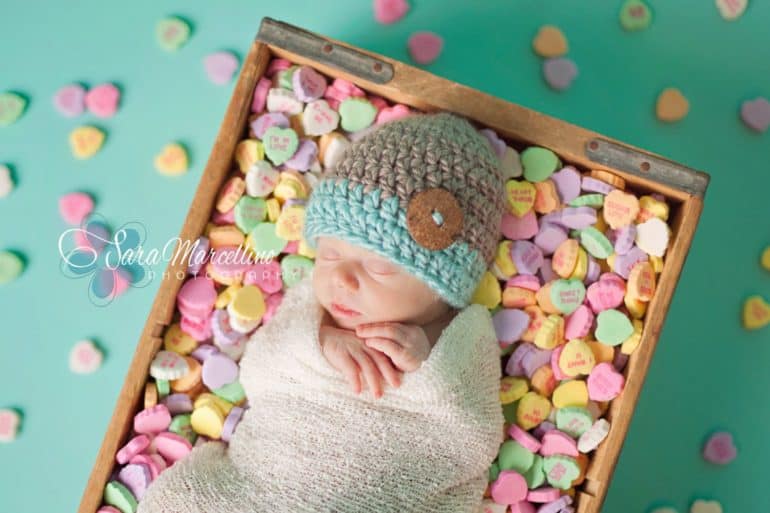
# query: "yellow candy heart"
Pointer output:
{"type": "Point", "coordinates": [543, 381]}
{"type": "Point", "coordinates": [641, 282]}
{"type": "Point", "coordinates": [287, 189]}
{"type": "Point", "coordinates": [178, 341]}
{"type": "Point", "coordinates": [620, 209]}
{"type": "Point", "coordinates": [766, 258]}
{"type": "Point", "coordinates": [600, 223]}
{"type": "Point", "coordinates": [672, 105]}
{"type": "Point", "coordinates": [208, 421]}
{"type": "Point", "coordinates": [248, 152]}
{"type": "Point", "coordinates": [756, 313]}
{"type": "Point", "coordinates": [536, 320]}
{"type": "Point", "coordinates": [657, 263]}
{"type": "Point", "coordinates": [488, 292]}
{"type": "Point", "coordinates": [576, 358]}
{"type": "Point", "coordinates": [546, 198]}
{"type": "Point", "coordinates": [224, 297]}
{"type": "Point", "coordinates": [222, 405]}
{"type": "Point", "coordinates": [503, 259]}
{"type": "Point", "coordinates": [581, 267]}
{"type": "Point", "coordinates": [650, 207]}
{"type": "Point", "coordinates": [551, 333]}
{"type": "Point", "coordinates": [521, 196]}
{"type": "Point", "coordinates": [636, 307]}
{"type": "Point", "coordinates": [602, 352]}
{"type": "Point", "coordinates": [517, 297]}
{"type": "Point", "coordinates": [550, 42]}
{"type": "Point", "coordinates": [532, 410]}
{"type": "Point", "coordinates": [248, 303]}
{"type": "Point", "coordinates": [273, 209]}
{"type": "Point", "coordinates": [230, 193]}
{"type": "Point", "coordinates": [632, 342]}
{"type": "Point", "coordinates": [225, 235]}
{"type": "Point", "coordinates": [290, 223]}
{"type": "Point", "coordinates": [571, 393]}
{"type": "Point", "coordinates": [512, 389]}
{"type": "Point", "coordinates": [85, 141]}
{"type": "Point", "coordinates": [304, 249]}
{"type": "Point", "coordinates": [172, 160]}
{"type": "Point", "coordinates": [543, 297]}
{"type": "Point", "coordinates": [565, 258]}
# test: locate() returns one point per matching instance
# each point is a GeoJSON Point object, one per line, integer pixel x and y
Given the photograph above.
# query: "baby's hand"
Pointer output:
{"type": "Point", "coordinates": [348, 354]}
{"type": "Point", "coordinates": [407, 345]}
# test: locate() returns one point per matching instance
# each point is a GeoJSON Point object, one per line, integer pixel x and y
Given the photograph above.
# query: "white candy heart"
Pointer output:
{"type": "Point", "coordinates": [334, 151]}
{"type": "Point", "coordinates": [591, 439]}
{"type": "Point", "coordinates": [85, 358]}
{"type": "Point", "coordinates": [319, 118]}
{"type": "Point", "coordinates": [261, 179]}
{"type": "Point", "coordinates": [6, 182]}
{"type": "Point", "coordinates": [283, 100]}
{"type": "Point", "coordinates": [701, 506]}
{"type": "Point", "coordinates": [652, 236]}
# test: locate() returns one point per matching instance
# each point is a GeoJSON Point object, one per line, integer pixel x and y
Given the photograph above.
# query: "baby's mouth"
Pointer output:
{"type": "Point", "coordinates": [343, 311]}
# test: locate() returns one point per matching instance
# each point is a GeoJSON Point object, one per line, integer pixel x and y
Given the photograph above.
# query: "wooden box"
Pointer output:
{"type": "Point", "coordinates": [642, 171]}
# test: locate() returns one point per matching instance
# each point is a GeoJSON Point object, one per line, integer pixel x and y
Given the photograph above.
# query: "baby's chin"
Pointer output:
{"type": "Point", "coordinates": [348, 322]}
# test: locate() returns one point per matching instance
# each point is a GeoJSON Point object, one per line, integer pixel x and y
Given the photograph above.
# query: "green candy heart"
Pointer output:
{"type": "Point", "coordinates": [514, 456]}
{"type": "Point", "coordinates": [567, 295]}
{"type": "Point", "coordinates": [11, 107]}
{"type": "Point", "coordinates": [280, 144]}
{"type": "Point", "coordinates": [588, 200]}
{"type": "Point", "coordinates": [356, 114]}
{"type": "Point", "coordinates": [539, 163]}
{"type": "Point", "coordinates": [163, 386]}
{"type": "Point", "coordinates": [535, 476]}
{"type": "Point", "coordinates": [10, 266]}
{"type": "Point", "coordinates": [509, 410]}
{"type": "Point", "coordinates": [232, 392]}
{"type": "Point", "coordinates": [117, 495]}
{"type": "Point", "coordinates": [560, 471]}
{"type": "Point", "coordinates": [613, 327]}
{"type": "Point", "coordinates": [294, 268]}
{"type": "Point", "coordinates": [172, 33]}
{"type": "Point", "coordinates": [494, 471]}
{"type": "Point", "coordinates": [574, 420]}
{"type": "Point", "coordinates": [264, 241]}
{"type": "Point", "coordinates": [249, 212]}
{"type": "Point", "coordinates": [596, 243]}
{"type": "Point", "coordinates": [285, 78]}
{"type": "Point", "coordinates": [635, 15]}
{"type": "Point", "coordinates": [182, 426]}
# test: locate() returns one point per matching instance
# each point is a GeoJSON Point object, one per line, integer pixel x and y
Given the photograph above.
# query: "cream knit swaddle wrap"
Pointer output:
{"type": "Point", "coordinates": [308, 443]}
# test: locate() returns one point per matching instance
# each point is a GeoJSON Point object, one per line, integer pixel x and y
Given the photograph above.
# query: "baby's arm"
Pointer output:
{"type": "Point", "coordinates": [407, 345]}
{"type": "Point", "coordinates": [347, 353]}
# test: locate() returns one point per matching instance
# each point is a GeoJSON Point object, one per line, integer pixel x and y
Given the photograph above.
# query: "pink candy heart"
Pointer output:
{"type": "Point", "coordinates": [75, 207]}
{"type": "Point", "coordinates": [389, 11]}
{"type": "Point", "coordinates": [756, 114]}
{"type": "Point", "coordinates": [556, 442]}
{"type": "Point", "coordinates": [308, 84]}
{"type": "Point", "coordinates": [425, 47]}
{"type": "Point", "coordinates": [720, 449]}
{"type": "Point", "coordinates": [103, 100]}
{"type": "Point", "coordinates": [220, 67]}
{"type": "Point", "coordinates": [605, 383]}
{"type": "Point", "coordinates": [70, 100]}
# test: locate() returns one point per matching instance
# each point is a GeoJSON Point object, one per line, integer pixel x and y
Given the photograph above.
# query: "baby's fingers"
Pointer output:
{"type": "Point", "coordinates": [349, 369]}
{"type": "Point", "coordinates": [391, 374]}
{"type": "Point", "coordinates": [393, 349]}
{"type": "Point", "coordinates": [371, 374]}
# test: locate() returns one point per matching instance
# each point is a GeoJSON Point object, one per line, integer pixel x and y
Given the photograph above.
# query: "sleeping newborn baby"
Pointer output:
{"type": "Point", "coordinates": [375, 386]}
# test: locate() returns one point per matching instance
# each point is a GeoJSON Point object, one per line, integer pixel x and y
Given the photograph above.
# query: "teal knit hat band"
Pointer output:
{"type": "Point", "coordinates": [425, 192]}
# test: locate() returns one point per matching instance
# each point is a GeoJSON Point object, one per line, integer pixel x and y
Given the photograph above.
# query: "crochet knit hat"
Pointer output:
{"type": "Point", "coordinates": [424, 191]}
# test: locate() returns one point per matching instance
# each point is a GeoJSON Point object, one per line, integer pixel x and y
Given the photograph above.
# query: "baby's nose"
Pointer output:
{"type": "Point", "coordinates": [344, 275]}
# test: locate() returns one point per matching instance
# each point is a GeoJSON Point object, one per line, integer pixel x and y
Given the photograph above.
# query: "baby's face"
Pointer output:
{"type": "Point", "coordinates": [357, 286]}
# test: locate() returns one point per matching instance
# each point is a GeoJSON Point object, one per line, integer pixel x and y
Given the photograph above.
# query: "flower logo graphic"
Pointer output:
{"type": "Point", "coordinates": [108, 259]}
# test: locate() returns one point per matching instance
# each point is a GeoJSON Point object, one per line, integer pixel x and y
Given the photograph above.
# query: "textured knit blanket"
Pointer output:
{"type": "Point", "coordinates": [308, 443]}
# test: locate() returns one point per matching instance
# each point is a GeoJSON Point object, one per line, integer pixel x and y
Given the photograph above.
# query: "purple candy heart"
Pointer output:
{"type": "Point", "coordinates": [178, 403]}
{"type": "Point", "coordinates": [535, 359]}
{"type": "Point", "coordinates": [756, 114]}
{"type": "Point", "coordinates": [593, 185]}
{"type": "Point", "coordinates": [514, 365]}
{"type": "Point", "coordinates": [546, 271]}
{"type": "Point", "coordinates": [308, 84]}
{"type": "Point", "coordinates": [219, 370]}
{"type": "Point", "coordinates": [593, 271]}
{"type": "Point", "coordinates": [136, 477]}
{"type": "Point", "coordinates": [567, 183]}
{"type": "Point", "coordinates": [260, 125]}
{"type": "Point", "coordinates": [577, 218]}
{"type": "Point", "coordinates": [559, 72]}
{"type": "Point", "coordinates": [203, 351]}
{"type": "Point", "coordinates": [232, 420]}
{"type": "Point", "coordinates": [542, 429]}
{"type": "Point", "coordinates": [220, 67]}
{"type": "Point", "coordinates": [510, 324]}
{"type": "Point", "coordinates": [519, 228]}
{"type": "Point", "coordinates": [498, 145]}
{"type": "Point", "coordinates": [70, 100]}
{"type": "Point", "coordinates": [224, 334]}
{"type": "Point", "coordinates": [720, 449]}
{"type": "Point", "coordinates": [550, 237]}
{"type": "Point", "coordinates": [526, 256]}
{"type": "Point", "coordinates": [623, 238]}
{"type": "Point", "coordinates": [198, 256]}
{"type": "Point", "coordinates": [304, 157]}
{"type": "Point", "coordinates": [624, 263]}
{"type": "Point", "coordinates": [561, 505]}
{"type": "Point", "coordinates": [620, 360]}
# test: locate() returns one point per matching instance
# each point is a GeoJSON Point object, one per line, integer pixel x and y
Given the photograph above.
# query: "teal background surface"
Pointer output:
{"type": "Point", "coordinates": [707, 374]}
